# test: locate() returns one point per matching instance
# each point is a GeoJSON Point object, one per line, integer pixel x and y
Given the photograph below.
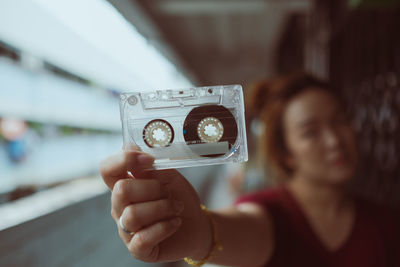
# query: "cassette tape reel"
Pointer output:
{"type": "Point", "coordinates": [186, 127]}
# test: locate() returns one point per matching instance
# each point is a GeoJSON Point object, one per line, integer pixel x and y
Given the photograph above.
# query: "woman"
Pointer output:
{"type": "Point", "coordinates": [308, 220]}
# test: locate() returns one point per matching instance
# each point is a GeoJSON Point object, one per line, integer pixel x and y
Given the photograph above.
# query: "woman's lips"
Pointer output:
{"type": "Point", "coordinates": [339, 160]}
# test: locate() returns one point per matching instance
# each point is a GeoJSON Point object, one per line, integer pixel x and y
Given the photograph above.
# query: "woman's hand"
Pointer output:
{"type": "Point", "coordinates": [160, 207]}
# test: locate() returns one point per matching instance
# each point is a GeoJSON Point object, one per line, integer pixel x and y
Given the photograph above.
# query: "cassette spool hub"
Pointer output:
{"type": "Point", "coordinates": [210, 124]}
{"type": "Point", "coordinates": [158, 133]}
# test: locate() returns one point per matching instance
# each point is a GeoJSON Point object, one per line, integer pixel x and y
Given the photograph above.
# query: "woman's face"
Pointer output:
{"type": "Point", "coordinates": [319, 138]}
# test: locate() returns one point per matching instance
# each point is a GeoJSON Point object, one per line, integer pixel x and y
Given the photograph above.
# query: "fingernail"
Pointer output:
{"type": "Point", "coordinates": [178, 206]}
{"type": "Point", "coordinates": [145, 159]}
{"type": "Point", "coordinates": [176, 221]}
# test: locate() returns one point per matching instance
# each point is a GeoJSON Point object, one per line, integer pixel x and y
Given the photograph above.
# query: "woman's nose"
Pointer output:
{"type": "Point", "coordinates": [331, 138]}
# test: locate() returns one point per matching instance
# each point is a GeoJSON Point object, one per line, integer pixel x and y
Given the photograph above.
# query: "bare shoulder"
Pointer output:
{"type": "Point", "coordinates": [253, 209]}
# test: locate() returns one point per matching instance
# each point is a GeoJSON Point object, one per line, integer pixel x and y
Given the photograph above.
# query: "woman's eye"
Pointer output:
{"type": "Point", "coordinates": [341, 119]}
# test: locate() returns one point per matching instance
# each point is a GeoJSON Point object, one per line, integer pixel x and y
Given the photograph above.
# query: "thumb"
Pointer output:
{"type": "Point", "coordinates": [166, 177]}
{"type": "Point", "coordinates": [140, 164]}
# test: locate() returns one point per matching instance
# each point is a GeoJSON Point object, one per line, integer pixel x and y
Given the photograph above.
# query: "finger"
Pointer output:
{"type": "Point", "coordinates": [112, 169]}
{"type": "Point", "coordinates": [129, 191]}
{"type": "Point", "coordinates": [165, 176]}
{"type": "Point", "coordinates": [136, 216]}
{"type": "Point", "coordinates": [144, 244]}
{"type": "Point", "coordinates": [123, 228]}
{"type": "Point", "coordinates": [116, 166]}
{"type": "Point", "coordinates": [139, 163]}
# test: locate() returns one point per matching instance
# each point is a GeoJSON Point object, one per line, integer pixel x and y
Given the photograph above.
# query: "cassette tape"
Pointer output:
{"type": "Point", "coordinates": [186, 127]}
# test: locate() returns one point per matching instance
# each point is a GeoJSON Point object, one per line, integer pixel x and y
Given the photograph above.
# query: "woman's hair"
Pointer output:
{"type": "Point", "coordinates": [269, 100]}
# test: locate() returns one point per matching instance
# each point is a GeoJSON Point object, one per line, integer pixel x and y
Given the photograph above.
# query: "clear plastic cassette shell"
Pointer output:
{"type": "Point", "coordinates": [186, 127]}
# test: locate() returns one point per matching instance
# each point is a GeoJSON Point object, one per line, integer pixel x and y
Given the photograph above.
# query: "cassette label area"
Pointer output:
{"type": "Point", "coordinates": [186, 127]}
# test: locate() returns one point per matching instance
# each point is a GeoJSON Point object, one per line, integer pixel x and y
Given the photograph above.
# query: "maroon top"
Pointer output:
{"type": "Point", "coordinates": [373, 242]}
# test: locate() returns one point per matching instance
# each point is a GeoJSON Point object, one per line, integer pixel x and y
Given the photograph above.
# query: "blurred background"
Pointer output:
{"type": "Point", "coordinates": [63, 64]}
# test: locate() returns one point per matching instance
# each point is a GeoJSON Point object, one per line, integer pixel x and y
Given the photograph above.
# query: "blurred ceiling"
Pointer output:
{"type": "Point", "coordinates": [214, 41]}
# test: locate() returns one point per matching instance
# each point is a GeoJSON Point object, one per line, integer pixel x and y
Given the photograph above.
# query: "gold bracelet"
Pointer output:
{"type": "Point", "coordinates": [215, 246]}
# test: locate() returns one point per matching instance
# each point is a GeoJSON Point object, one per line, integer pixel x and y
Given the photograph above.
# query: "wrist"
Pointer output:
{"type": "Point", "coordinates": [215, 245]}
{"type": "Point", "coordinates": [204, 237]}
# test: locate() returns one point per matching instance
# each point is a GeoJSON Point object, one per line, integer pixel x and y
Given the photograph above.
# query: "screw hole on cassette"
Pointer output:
{"type": "Point", "coordinates": [158, 133]}
{"type": "Point", "coordinates": [132, 100]}
{"type": "Point", "coordinates": [210, 124]}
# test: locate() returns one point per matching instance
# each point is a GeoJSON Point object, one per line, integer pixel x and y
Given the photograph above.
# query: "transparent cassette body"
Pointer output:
{"type": "Point", "coordinates": [186, 127]}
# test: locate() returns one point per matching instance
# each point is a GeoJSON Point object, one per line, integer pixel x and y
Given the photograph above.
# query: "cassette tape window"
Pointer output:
{"type": "Point", "coordinates": [186, 127]}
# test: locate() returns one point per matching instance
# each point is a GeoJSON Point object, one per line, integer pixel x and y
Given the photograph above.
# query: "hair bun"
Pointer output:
{"type": "Point", "coordinates": [258, 96]}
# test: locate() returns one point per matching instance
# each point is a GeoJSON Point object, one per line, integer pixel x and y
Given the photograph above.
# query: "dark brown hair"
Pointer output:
{"type": "Point", "coordinates": [270, 100]}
